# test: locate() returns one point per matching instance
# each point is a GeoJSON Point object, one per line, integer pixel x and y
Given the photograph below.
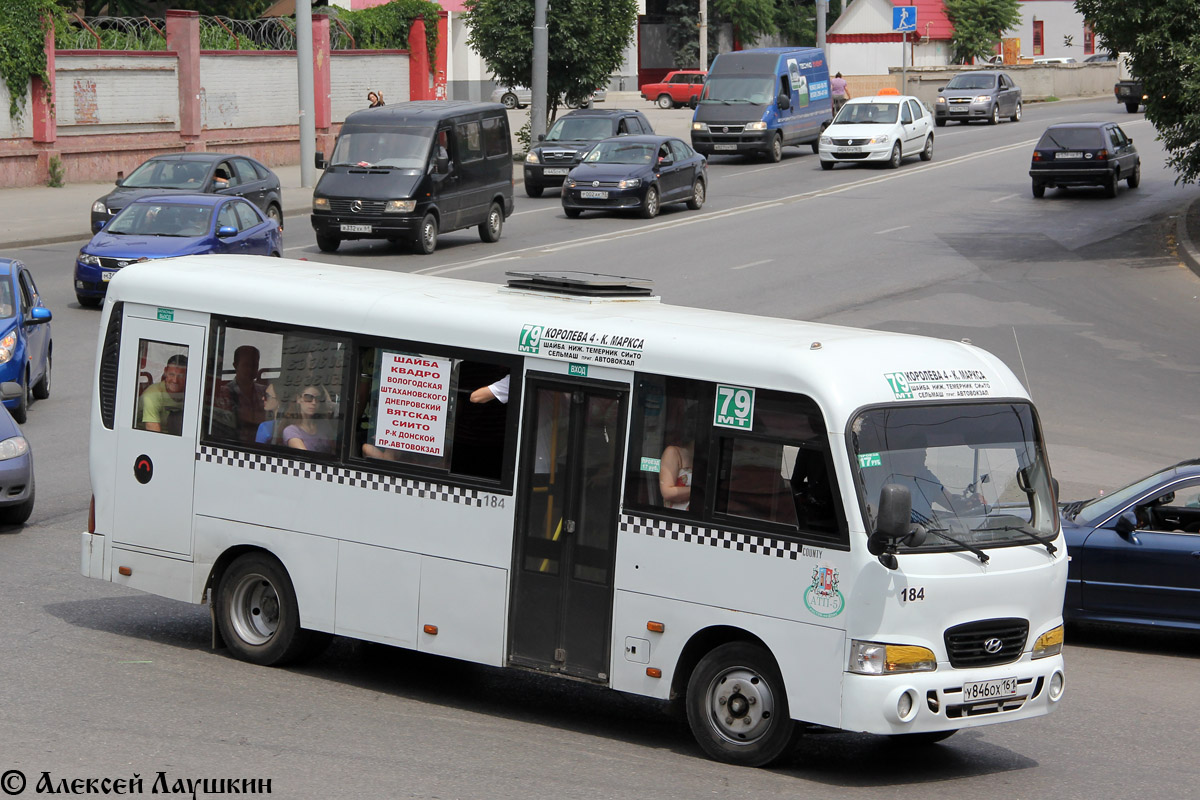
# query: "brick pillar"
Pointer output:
{"type": "Point", "coordinates": [183, 37]}
{"type": "Point", "coordinates": [418, 62]}
{"type": "Point", "coordinates": [439, 81]}
{"type": "Point", "coordinates": [322, 82]}
{"type": "Point", "coordinates": [45, 126]}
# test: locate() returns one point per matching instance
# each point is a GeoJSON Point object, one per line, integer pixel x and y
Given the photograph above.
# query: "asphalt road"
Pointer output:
{"type": "Point", "coordinates": [1080, 294]}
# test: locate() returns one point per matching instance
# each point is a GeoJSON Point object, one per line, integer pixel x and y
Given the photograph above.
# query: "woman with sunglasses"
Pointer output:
{"type": "Point", "coordinates": [307, 429]}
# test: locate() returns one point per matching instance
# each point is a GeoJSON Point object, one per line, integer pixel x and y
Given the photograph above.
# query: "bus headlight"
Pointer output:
{"type": "Point", "coordinates": [400, 206]}
{"type": "Point", "coordinates": [320, 204]}
{"type": "Point", "coordinates": [878, 658]}
{"type": "Point", "coordinates": [11, 448]}
{"type": "Point", "coordinates": [7, 346]}
{"type": "Point", "coordinates": [756, 126]}
{"type": "Point", "coordinates": [1049, 643]}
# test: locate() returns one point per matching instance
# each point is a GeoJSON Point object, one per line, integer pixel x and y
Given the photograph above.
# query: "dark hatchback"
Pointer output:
{"type": "Point", "coordinates": [636, 173]}
{"type": "Point", "coordinates": [192, 173]}
{"type": "Point", "coordinates": [1084, 154]}
{"type": "Point", "coordinates": [554, 155]}
{"type": "Point", "coordinates": [1134, 552]}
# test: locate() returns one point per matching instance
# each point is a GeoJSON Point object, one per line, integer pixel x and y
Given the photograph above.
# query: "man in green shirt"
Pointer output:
{"type": "Point", "coordinates": [162, 403]}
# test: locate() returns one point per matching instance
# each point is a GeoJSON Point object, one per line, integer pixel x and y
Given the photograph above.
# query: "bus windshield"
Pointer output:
{"type": "Point", "coordinates": [756, 89]}
{"type": "Point", "coordinates": [383, 149]}
{"type": "Point", "coordinates": [976, 473]}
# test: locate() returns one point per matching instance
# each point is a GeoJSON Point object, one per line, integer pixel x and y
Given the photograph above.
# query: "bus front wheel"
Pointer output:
{"type": "Point", "coordinates": [257, 613]}
{"type": "Point", "coordinates": [737, 707]}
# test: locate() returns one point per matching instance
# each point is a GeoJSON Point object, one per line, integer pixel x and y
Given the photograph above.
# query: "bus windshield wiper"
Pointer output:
{"type": "Point", "coordinates": [1050, 548]}
{"type": "Point", "coordinates": [941, 532]}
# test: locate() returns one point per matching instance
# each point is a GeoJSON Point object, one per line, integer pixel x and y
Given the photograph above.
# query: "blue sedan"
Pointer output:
{"type": "Point", "coordinates": [636, 173]}
{"type": "Point", "coordinates": [1135, 553]}
{"type": "Point", "coordinates": [175, 225]}
{"type": "Point", "coordinates": [26, 346]}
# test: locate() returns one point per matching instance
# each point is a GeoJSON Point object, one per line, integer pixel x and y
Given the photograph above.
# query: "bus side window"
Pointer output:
{"type": "Point", "coordinates": [669, 445]}
{"type": "Point", "coordinates": [160, 406]}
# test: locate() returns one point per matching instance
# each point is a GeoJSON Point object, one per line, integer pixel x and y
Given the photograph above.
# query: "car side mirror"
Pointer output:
{"type": "Point", "coordinates": [319, 160]}
{"type": "Point", "coordinates": [1126, 524]}
{"type": "Point", "coordinates": [1129, 140]}
{"type": "Point", "coordinates": [11, 390]}
{"type": "Point", "coordinates": [940, 89]}
{"type": "Point", "coordinates": [783, 101]}
{"type": "Point", "coordinates": [541, 137]}
{"type": "Point", "coordinates": [665, 161]}
{"type": "Point", "coordinates": [39, 314]}
{"type": "Point", "coordinates": [225, 231]}
{"type": "Point", "coordinates": [694, 101]}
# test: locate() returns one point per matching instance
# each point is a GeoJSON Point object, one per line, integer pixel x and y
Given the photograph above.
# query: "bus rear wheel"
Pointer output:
{"type": "Point", "coordinates": [737, 707]}
{"type": "Point", "coordinates": [257, 613]}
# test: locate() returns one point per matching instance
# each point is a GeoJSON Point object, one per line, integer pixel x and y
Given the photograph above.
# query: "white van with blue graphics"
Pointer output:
{"type": "Point", "coordinates": [759, 101]}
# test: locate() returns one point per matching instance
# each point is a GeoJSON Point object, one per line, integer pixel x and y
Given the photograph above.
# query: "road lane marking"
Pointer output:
{"type": "Point", "coordinates": [754, 264]}
{"type": "Point", "coordinates": [891, 230]}
{"type": "Point", "coordinates": [1005, 197]}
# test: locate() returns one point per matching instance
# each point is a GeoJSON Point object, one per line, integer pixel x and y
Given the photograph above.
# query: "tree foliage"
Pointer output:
{"type": "Point", "coordinates": [22, 45]}
{"type": "Point", "coordinates": [979, 24]}
{"type": "Point", "coordinates": [751, 19]}
{"type": "Point", "coordinates": [1162, 38]}
{"type": "Point", "coordinates": [587, 41]}
{"type": "Point", "coordinates": [386, 26]}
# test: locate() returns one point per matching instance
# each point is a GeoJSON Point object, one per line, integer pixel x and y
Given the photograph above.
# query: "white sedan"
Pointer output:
{"type": "Point", "coordinates": [888, 127]}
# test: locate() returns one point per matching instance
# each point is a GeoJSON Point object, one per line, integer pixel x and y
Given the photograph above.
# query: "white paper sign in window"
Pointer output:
{"type": "Point", "coordinates": [414, 398]}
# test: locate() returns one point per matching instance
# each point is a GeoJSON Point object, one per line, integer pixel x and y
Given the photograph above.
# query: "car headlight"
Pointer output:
{"type": "Point", "coordinates": [941, 101]}
{"type": "Point", "coordinates": [98, 207]}
{"type": "Point", "coordinates": [826, 140]}
{"type": "Point", "coordinates": [983, 98]}
{"type": "Point", "coordinates": [1049, 643]}
{"type": "Point", "coordinates": [531, 157]}
{"type": "Point", "coordinates": [569, 183]}
{"type": "Point", "coordinates": [11, 448]}
{"type": "Point", "coordinates": [756, 126]}
{"type": "Point", "coordinates": [629, 183]}
{"type": "Point", "coordinates": [87, 258]}
{"type": "Point", "coordinates": [884, 139]}
{"type": "Point", "coordinates": [7, 346]}
{"type": "Point", "coordinates": [400, 206]}
{"type": "Point", "coordinates": [699, 126]}
{"type": "Point", "coordinates": [877, 658]}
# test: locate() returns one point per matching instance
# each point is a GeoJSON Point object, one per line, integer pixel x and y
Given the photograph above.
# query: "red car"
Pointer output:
{"type": "Point", "coordinates": [677, 89]}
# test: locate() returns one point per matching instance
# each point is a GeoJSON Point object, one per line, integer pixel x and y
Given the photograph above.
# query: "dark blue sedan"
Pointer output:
{"type": "Point", "coordinates": [1135, 553]}
{"type": "Point", "coordinates": [26, 347]}
{"type": "Point", "coordinates": [175, 225]}
{"type": "Point", "coordinates": [636, 173]}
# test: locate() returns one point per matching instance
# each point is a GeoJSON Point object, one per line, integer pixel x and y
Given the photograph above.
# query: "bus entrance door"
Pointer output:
{"type": "Point", "coordinates": [572, 447]}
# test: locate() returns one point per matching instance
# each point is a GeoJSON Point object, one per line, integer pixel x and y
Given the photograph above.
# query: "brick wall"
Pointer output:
{"type": "Point", "coordinates": [353, 74]}
{"type": "Point", "coordinates": [115, 94]}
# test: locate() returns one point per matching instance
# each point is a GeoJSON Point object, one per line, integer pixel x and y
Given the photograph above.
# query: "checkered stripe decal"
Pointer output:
{"type": "Point", "coordinates": [681, 532]}
{"type": "Point", "coordinates": [427, 490]}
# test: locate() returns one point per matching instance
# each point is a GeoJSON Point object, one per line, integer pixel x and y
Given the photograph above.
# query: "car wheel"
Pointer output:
{"type": "Point", "coordinates": [1135, 177]}
{"type": "Point", "coordinates": [897, 157]}
{"type": "Point", "coordinates": [21, 412]}
{"type": "Point", "coordinates": [1131, 108]}
{"type": "Point", "coordinates": [427, 235]}
{"type": "Point", "coordinates": [1111, 187]}
{"type": "Point", "coordinates": [41, 389]}
{"type": "Point", "coordinates": [18, 514]}
{"type": "Point", "coordinates": [994, 119]}
{"type": "Point", "coordinates": [927, 151]}
{"type": "Point", "coordinates": [89, 302]}
{"type": "Point", "coordinates": [827, 165]}
{"type": "Point", "coordinates": [776, 152]}
{"type": "Point", "coordinates": [534, 191]}
{"type": "Point", "coordinates": [649, 208]}
{"type": "Point", "coordinates": [1016, 117]}
{"type": "Point", "coordinates": [509, 100]}
{"type": "Point", "coordinates": [257, 613]}
{"type": "Point", "coordinates": [816, 146]}
{"type": "Point", "coordinates": [327, 243]}
{"type": "Point", "coordinates": [489, 229]}
{"type": "Point", "coordinates": [737, 707]}
{"type": "Point", "coordinates": [275, 215]}
{"type": "Point", "coordinates": [573, 213]}
{"type": "Point", "coordinates": [697, 200]}
{"type": "Point", "coordinates": [940, 122]}
{"type": "Point", "coordinates": [1039, 189]}
{"type": "Point", "coordinates": [665, 101]}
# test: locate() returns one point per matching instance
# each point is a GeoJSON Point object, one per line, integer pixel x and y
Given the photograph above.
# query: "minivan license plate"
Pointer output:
{"type": "Point", "coordinates": [981, 691]}
{"type": "Point", "coordinates": [594, 195]}
{"type": "Point", "coordinates": [356, 229]}
{"type": "Point", "coordinates": [724, 147]}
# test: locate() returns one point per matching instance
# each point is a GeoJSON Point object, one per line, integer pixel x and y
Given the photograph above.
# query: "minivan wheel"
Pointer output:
{"type": "Point", "coordinates": [995, 118]}
{"type": "Point", "coordinates": [327, 243]}
{"type": "Point", "coordinates": [489, 229]}
{"type": "Point", "coordinates": [665, 101]}
{"type": "Point", "coordinates": [427, 235]}
{"type": "Point", "coordinates": [897, 157]}
{"type": "Point", "coordinates": [776, 148]}
{"type": "Point", "coordinates": [650, 204]}
{"type": "Point", "coordinates": [509, 100]}
{"type": "Point", "coordinates": [533, 191]}
{"type": "Point", "coordinates": [1016, 117]}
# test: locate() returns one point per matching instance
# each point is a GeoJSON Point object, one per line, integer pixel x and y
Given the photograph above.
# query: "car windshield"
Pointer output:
{"type": "Point", "coordinates": [584, 128]}
{"type": "Point", "coordinates": [168, 174]}
{"type": "Point", "coordinates": [161, 219]}
{"type": "Point", "coordinates": [1099, 508]}
{"type": "Point", "coordinates": [972, 82]}
{"type": "Point", "coordinates": [619, 152]}
{"type": "Point", "coordinates": [406, 150]}
{"type": "Point", "coordinates": [1071, 139]}
{"type": "Point", "coordinates": [867, 114]}
{"type": "Point", "coordinates": [977, 473]}
{"type": "Point", "coordinates": [728, 89]}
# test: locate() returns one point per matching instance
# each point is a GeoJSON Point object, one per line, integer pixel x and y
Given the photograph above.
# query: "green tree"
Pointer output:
{"type": "Point", "coordinates": [751, 19]}
{"type": "Point", "coordinates": [1162, 38]}
{"type": "Point", "coordinates": [979, 24]}
{"type": "Point", "coordinates": [587, 41]}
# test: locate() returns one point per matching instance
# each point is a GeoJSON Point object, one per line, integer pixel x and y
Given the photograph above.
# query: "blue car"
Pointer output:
{"type": "Point", "coordinates": [26, 346]}
{"type": "Point", "coordinates": [1135, 553]}
{"type": "Point", "coordinates": [174, 225]}
{"type": "Point", "coordinates": [16, 463]}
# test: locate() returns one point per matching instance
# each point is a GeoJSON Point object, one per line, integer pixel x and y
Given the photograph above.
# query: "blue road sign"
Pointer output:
{"type": "Point", "coordinates": [904, 18]}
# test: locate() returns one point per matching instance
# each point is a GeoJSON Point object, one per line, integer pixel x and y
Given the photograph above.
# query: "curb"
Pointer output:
{"type": "Point", "coordinates": [1187, 249]}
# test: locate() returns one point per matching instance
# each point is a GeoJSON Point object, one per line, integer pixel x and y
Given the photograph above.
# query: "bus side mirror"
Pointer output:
{"type": "Point", "coordinates": [319, 160]}
{"type": "Point", "coordinates": [894, 525]}
{"type": "Point", "coordinates": [783, 101]}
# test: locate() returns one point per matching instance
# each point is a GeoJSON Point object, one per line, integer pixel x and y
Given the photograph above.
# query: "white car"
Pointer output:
{"type": "Point", "coordinates": [520, 96]}
{"type": "Point", "coordinates": [887, 128]}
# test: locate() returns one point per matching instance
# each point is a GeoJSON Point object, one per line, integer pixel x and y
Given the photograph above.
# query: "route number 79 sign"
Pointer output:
{"type": "Point", "coordinates": [735, 408]}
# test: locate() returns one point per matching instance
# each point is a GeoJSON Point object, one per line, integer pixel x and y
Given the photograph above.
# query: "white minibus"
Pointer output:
{"type": "Point", "coordinates": [783, 524]}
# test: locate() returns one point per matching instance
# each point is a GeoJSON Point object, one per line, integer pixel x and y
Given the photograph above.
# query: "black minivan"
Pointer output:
{"type": "Point", "coordinates": [409, 171]}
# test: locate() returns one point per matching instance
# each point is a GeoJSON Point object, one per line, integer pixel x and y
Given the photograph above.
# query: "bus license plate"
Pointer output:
{"type": "Point", "coordinates": [107, 276]}
{"type": "Point", "coordinates": [724, 147]}
{"type": "Point", "coordinates": [849, 149]}
{"type": "Point", "coordinates": [555, 171]}
{"type": "Point", "coordinates": [594, 195]}
{"type": "Point", "coordinates": [1068, 155]}
{"type": "Point", "coordinates": [356, 229]}
{"type": "Point", "coordinates": [980, 691]}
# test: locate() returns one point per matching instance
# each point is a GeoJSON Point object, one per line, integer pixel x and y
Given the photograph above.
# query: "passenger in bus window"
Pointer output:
{"type": "Point", "coordinates": [676, 463]}
{"type": "Point", "coordinates": [266, 429]}
{"type": "Point", "coordinates": [307, 428]}
{"type": "Point", "coordinates": [493, 391]}
{"type": "Point", "coordinates": [245, 392]}
{"type": "Point", "coordinates": [162, 403]}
